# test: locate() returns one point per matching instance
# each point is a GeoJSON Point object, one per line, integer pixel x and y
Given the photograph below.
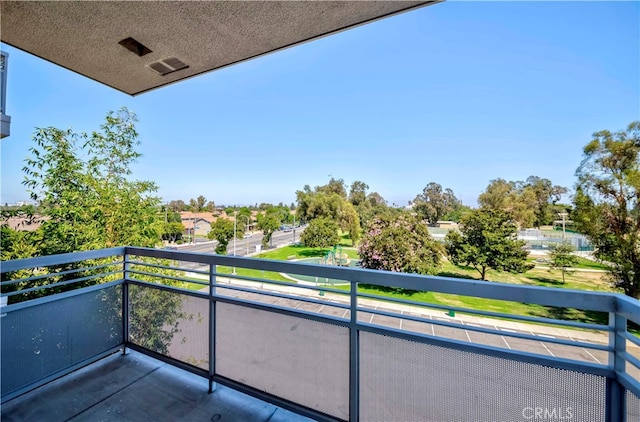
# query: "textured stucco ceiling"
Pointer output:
{"type": "Point", "coordinates": [84, 36]}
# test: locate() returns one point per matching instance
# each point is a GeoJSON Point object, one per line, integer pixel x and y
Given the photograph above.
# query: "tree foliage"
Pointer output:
{"type": "Point", "coordinates": [82, 184]}
{"type": "Point", "coordinates": [222, 231]}
{"type": "Point", "coordinates": [561, 258]}
{"type": "Point", "coordinates": [177, 205]}
{"type": "Point", "coordinates": [434, 202]}
{"type": "Point", "coordinates": [200, 204]}
{"type": "Point", "coordinates": [321, 233]}
{"type": "Point", "coordinates": [330, 202]}
{"type": "Point", "coordinates": [401, 243]}
{"type": "Point", "coordinates": [531, 202]}
{"type": "Point", "coordinates": [358, 192]}
{"type": "Point", "coordinates": [487, 239]}
{"type": "Point", "coordinates": [268, 223]}
{"type": "Point", "coordinates": [607, 203]}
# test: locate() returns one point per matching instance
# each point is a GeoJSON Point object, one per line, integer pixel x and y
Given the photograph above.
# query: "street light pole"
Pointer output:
{"type": "Point", "coordinates": [294, 228]}
{"type": "Point", "coordinates": [235, 218]}
{"type": "Point", "coordinates": [246, 239]}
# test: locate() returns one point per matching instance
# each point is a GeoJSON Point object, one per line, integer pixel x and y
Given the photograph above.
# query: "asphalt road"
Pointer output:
{"type": "Point", "coordinates": [243, 247]}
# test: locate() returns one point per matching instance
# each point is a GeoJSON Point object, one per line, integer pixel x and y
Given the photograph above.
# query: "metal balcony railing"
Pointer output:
{"type": "Point", "coordinates": [323, 346]}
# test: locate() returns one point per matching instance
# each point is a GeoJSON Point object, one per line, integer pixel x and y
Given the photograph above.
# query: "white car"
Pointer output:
{"type": "Point", "coordinates": [248, 235]}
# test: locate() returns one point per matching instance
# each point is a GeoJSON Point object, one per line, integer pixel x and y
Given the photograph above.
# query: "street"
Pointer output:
{"type": "Point", "coordinates": [243, 247]}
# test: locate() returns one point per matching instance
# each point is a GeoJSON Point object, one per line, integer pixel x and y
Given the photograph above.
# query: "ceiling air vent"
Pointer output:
{"type": "Point", "coordinates": [134, 46]}
{"type": "Point", "coordinates": [165, 66]}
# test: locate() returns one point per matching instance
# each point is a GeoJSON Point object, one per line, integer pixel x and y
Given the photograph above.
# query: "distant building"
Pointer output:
{"type": "Point", "coordinates": [201, 221]}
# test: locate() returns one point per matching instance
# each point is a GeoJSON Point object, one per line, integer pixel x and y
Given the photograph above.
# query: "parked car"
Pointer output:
{"type": "Point", "coordinates": [248, 235]}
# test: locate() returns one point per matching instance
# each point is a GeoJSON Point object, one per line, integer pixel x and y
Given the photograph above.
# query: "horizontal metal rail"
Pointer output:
{"type": "Point", "coordinates": [634, 339]}
{"type": "Point", "coordinates": [56, 274]}
{"type": "Point", "coordinates": [61, 283]}
{"type": "Point", "coordinates": [66, 258]}
{"type": "Point", "coordinates": [564, 298]}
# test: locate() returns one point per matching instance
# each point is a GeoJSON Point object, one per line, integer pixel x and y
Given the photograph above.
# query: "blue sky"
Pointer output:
{"type": "Point", "coordinates": [459, 93]}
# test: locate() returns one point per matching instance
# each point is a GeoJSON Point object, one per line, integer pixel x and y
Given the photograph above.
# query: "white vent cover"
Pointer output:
{"type": "Point", "coordinates": [165, 66]}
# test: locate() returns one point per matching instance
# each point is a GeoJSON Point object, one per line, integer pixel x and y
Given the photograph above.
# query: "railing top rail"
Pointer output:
{"type": "Point", "coordinates": [59, 259]}
{"type": "Point", "coordinates": [566, 298]}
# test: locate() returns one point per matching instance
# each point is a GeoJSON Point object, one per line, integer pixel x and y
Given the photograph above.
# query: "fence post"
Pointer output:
{"type": "Point", "coordinates": [212, 325]}
{"type": "Point", "coordinates": [615, 396]}
{"type": "Point", "coordinates": [125, 302]}
{"type": "Point", "coordinates": [354, 356]}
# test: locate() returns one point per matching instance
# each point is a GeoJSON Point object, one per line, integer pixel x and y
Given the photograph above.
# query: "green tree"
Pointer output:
{"type": "Point", "coordinates": [172, 232]}
{"type": "Point", "coordinates": [321, 233]}
{"type": "Point", "coordinates": [222, 231]}
{"type": "Point", "coordinates": [561, 258]}
{"type": "Point", "coordinates": [200, 204]}
{"type": "Point", "coordinates": [607, 203]}
{"type": "Point", "coordinates": [268, 223]}
{"type": "Point", "coordinates": [177, 205]}
{"type": "Point", "coordinates": [82, 182]}
{"type": "Point", "coordinates": [401, 243]}
{"type": "Point", "coordinates": [434, 203]}
{"type": "Point", "coordinates": [530, 202]}
{"type": "Point", "coordinates": [546, 195]}
{"type": "Point", "coordinates": [336, 186]}
{"type": "Point", "coordinates": [487, 239]}
{"type": "Point", "coordinates": [358, 192]}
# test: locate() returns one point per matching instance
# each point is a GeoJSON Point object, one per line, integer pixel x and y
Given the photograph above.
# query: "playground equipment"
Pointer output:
{"type": "Point", "coordinates": [336, 257]}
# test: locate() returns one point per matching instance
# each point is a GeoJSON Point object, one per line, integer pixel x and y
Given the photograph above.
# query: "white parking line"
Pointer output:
{"type": "Point", "coordinates": [468, 337]}
{"type": "Point", "coordinates": [502, 337]}
{"type": "Point", "coordinates": [588, 352]}
{"type": "Point", "coordinates": [321, 308]}
{"type": "Point", "coordinates": [401, 313]}
{"type": "Point", "coordinates": [544, 345]}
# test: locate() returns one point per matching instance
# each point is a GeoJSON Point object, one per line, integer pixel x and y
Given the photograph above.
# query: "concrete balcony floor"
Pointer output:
{"type": "Point", "coordinates": [136, 387]}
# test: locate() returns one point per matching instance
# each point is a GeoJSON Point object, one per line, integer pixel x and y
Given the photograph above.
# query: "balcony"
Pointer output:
{"type": "Point", "coordinates": [127, 333]}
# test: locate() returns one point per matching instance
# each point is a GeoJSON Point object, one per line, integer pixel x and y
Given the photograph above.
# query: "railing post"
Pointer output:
{"type": "Point", "coordinates": [125, 303]}
{"type": "Point", "coordinates": [212, 325]}
{"type": "Point", "coordinates": [615, 397]}
{"type": "Point", "coordinates": [354, 356]}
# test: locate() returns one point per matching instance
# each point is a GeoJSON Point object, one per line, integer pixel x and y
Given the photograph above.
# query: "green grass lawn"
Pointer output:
{"type": "Point", "coordinates": [301, 252]}
{"type": "Point", "coordinates": [583, 263]}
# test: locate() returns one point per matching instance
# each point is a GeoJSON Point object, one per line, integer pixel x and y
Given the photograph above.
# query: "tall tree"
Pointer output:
{"type": "Point", "coordinates": [336, 186]}
{"type": "Point", "coordinates": [401, 243]}
{"type": "Point", "coordinates": [200, 204]}
{"type": "Point", "coordinates": [487, 239]}
{"type": "Point", "coordinates": [607, 203]}
{"type": "Point", "coordinates": [82, 181]}
{"type": "Point", "coordinates": [222, 231]}
{"type": "Point", "coordinates": [321, 233]}
{"type": "Point", "coordinates": [434, 202]}
{"type": "Point", "coordinates": [546, 195]}
{"type": "Point", "coordinates": [177, 205]}
{"type": "Point", "coordinates": [268, 223]}
{"type": "Point", "coordinates": [90, 203]}
{"type": "Point", "coordinates": [358, 192]}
